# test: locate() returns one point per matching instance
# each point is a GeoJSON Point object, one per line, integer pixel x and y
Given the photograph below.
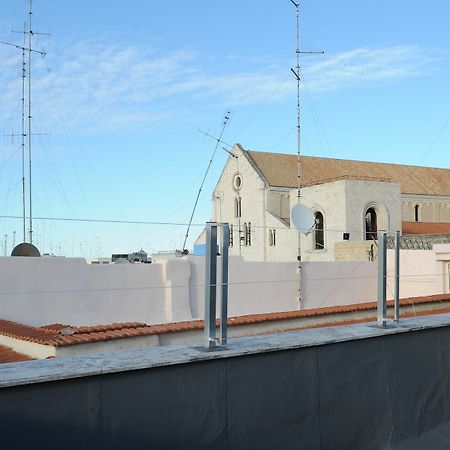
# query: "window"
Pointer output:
{"type": "Point", "coordinates": [371, 224]}
{"type": "Point", "coordinates": [231, 236]}
{"type": "Point", "coordinates": [238, 207]}
{"type": "Point", "coordinates": [272, 238]}
{"type": "Point", "coordinates": [248, 234]}
{"type": "Point", "coordinates": [237, 182]}
{"type": "Point", "coordinates": [319, 243]}
{"type": "Point", "coordinates": [416, 213]}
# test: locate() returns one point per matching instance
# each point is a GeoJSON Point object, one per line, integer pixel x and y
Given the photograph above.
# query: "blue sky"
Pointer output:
{"type": "Point", "coordinates": [126, 86]}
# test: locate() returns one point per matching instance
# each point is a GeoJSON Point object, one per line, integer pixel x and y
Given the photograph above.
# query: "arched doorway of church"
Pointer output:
{"type": "Point", "coordinates": [371, 224]}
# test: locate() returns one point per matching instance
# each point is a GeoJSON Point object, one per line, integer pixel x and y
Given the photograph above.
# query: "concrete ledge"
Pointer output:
{"type": "Point", "coordinates": [106, 363]}
{"type": "Point", "coordinates": [349, 387]}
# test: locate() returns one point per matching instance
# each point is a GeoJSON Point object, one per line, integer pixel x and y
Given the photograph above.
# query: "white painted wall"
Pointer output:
{"type": "Point", "coordinates": [332, 283]}
{"type": "Point", "coordinates": [422, 272]}
{"type": "Point", "coordinates": [42, 291]}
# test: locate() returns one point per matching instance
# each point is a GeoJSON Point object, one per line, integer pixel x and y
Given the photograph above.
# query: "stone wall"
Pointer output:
{"type": "Point", "coordinates": [431, 209]}
{"type": "Point", "coordinates": [356, 251]}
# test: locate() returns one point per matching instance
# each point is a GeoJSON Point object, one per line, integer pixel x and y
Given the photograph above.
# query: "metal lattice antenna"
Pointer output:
{"type": "Point", "coordinates": [296, 72]}
{"type": "Point", "coordinates": [30, 33]}
{"type": "Point", "coordinates": [218, 141]}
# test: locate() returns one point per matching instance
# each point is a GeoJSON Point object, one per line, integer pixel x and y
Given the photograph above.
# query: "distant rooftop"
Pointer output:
{"type": "Point", "coordinates": [425, 228]}
{"type": "Point", "coordinates": [281, 170]}
{"type": "Point", "coordinates": [8, 355]}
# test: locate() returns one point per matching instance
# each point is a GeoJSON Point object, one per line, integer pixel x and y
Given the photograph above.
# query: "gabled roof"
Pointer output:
{"type": "Point", "coordinates": [281, 170]}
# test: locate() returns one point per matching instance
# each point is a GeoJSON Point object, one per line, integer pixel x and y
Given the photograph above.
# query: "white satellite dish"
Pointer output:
{"type": "Point", "coordinates": [302, 218]}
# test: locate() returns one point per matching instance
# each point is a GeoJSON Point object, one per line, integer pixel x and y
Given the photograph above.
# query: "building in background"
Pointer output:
{"type": "Point", "coordinates": [350, 200]}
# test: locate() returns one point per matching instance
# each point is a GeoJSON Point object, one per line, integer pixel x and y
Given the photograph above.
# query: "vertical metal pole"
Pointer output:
{"type": "Point", "coordinates": [30, 34]}
{"type": "Point", "coordinates": [224, 300]}
{"type": "Point", "coordinates": [397, 278]}
{"type": "Point", "coordinates": [381, 309]}
{"type": "Point", "coordinates": [210, 285]}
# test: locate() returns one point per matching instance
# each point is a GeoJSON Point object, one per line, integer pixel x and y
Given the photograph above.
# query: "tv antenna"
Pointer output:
{"type": "Point", "coordinates": [215, 138]}
{"type": "Point", "coordinates": [297, 74]}
{"type": "Point", "coordinates": [218, 141]}
{"type": "Point", "coordinates": [27, 133]}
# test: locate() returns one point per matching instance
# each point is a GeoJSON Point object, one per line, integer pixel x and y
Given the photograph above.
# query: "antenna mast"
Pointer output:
{"type": "Point", "coordinates": [24, 71]}
{"type": "Point", "coordinates": [296, 72]}
{"type": "Point", "coordinates": [27, 133]}
{"type": "Point", "coordinates": [297, 76]}
{"type": "Point", "coordinates": [218, 141]}
{"type": "Point", "coordinates": [30, 34]}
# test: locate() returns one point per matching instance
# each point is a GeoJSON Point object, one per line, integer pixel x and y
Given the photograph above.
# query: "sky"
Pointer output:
{"type": "Point", "coordinates": [125, 88]}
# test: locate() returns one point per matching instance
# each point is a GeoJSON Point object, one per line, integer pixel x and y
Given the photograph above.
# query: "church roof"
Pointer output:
{"type": "Point", "coordinates": [281, 170]}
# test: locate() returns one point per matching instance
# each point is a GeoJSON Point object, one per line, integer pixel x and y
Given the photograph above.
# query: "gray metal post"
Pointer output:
{"type": "Point", "coordinates": [397, 278]}
{"type": "Point", "coordinates": [210, 285]}
{"type": "Point", "coordinates": [224, 300]}
{"type": "Point", "coordinates": [381, 308]}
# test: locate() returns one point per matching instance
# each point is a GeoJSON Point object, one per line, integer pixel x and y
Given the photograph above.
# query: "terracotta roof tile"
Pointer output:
{"type": "Point", "coordinates": [8, 355]}
{"type": "Point", "coordinates": [281, 170]}
{"type": "Point", "coordinates": [425, 228]}
{"type": "Point", "coordinates": [102, 333]}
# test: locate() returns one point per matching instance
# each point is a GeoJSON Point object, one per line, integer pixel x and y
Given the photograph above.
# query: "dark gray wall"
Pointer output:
{"type": "Point", "coordinates": [363, 394]}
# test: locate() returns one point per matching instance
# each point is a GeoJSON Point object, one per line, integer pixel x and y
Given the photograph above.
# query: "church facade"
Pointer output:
{"type": "Point", "coordinates": [350, 200]}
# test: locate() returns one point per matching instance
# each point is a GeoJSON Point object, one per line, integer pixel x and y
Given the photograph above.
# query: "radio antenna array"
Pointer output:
{"type": "Point", "coordinates": [218, 142]}
{"type": "Point", "coordinates": [27, 133]}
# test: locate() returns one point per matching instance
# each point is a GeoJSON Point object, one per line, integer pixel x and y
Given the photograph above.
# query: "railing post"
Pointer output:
{"type": "Point", "coordinates": [224, 299]}
{"type": "Point", "coordinates": [381, 308]}
{"type": "Point", "coordinates": [397, 278]}
{"type": "Point", "coordinates": [211, 284]}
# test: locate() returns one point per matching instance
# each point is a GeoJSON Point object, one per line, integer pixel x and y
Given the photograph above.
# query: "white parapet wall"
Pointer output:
{"type": "Point", "coordinates": [43, 291]}
{"type": "Point", "coordinates": [335, 283]}
{"type": "Point", "coordinates": [422, 272]}
{"type": "Point", "coordinates": [40, 291]}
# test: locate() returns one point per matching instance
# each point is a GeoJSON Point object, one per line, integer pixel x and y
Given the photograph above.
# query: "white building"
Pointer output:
{"type": "Point", "coordinates": [351, 200]}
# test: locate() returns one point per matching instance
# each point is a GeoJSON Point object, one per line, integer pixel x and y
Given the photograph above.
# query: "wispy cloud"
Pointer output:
{"type": "Point", "coordinates": [98, 88]}
{"type": "Point", "coordinates": [366, 65]}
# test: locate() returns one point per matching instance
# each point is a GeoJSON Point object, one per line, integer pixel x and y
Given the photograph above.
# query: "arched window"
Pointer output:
{"type": "Point", "coordinates": [319, 243]}
{"type": "Point", "coordinates": [238, 207]}
{"type": "Point", "coordinates": [416, 213]}
{"type": "Point", "coordinates": [371, 224]}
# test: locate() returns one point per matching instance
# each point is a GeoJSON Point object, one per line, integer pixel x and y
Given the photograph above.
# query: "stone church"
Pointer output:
{"type": "Point", "coordinates": [350, 200]}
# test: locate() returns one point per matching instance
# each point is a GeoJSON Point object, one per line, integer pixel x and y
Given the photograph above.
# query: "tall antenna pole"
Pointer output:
{"type": "Point", "coordinates": [297, 76]}
{"type": "Point", "coordinates": [30, 34]}
{"type": "Point", "coordinates": [296, 72]}
{"type": "Point", "coordinates": [28, 133]}
{"type": "Point", "coordinates": [218, 141]}
{"type": "Point", "coordinates": [24, 70]}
